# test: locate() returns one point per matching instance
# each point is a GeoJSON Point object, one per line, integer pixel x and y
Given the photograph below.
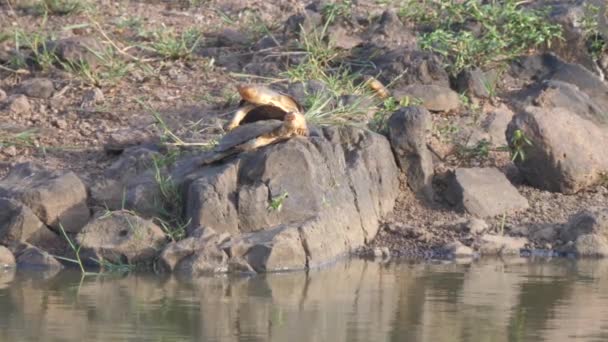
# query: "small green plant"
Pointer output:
{"type": "Point", "coordinates": [388, 106]}
{"type": "Point", "coordinates": [481, 150]}
{"type": "Point", "coordinates": [22, 139]}
{"type": "Point", "coordinates": [506, 30]}
{"type": "Point", "coordinates": [171, 45]}
{"type": "Point", "coordinates": [589, 23]}
{"type": "Point", "coordinates": [76, 250]}
{"type": "Point", "coordinates": [276, 203]}
{"type": "Point", "coordinates": [518, 142]}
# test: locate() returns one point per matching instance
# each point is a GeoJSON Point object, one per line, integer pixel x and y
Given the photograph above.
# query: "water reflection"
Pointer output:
{"type": "Point", "coordinates": [489, 300]}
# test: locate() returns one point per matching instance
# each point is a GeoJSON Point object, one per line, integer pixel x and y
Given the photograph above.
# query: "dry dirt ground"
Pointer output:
{"type": "Point", "coordinates": [195, 97]}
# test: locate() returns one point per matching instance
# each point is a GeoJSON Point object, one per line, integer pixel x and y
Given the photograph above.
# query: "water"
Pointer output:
{"type": "Point", "coordinates": [488, 300]}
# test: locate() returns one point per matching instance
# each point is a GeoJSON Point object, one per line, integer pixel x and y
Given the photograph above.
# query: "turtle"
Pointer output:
{"type": "Point", "coordinates": [260, 133]}
{"type": "Point", "coordinates": [262, 103]}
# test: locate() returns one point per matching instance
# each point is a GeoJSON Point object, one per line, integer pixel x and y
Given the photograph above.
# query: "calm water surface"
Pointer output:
{"type": "Point", "coordinates": [488, 300]}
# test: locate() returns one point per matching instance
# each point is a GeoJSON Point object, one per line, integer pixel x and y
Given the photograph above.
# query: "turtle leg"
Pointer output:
{"type": "Point", "coordinates": [257, 143]}
{"type": "Point", "coordinates": [239, 115]}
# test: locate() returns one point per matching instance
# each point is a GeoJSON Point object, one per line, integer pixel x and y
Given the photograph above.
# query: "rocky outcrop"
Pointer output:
{"type": "Point", "coordinates": [484, 192]}
{"type": "Point", "coordinates": [121, 237]}
{"type": "Point", "coordinates": [55, 197]}
{"type": "Point", "coordinates": [293, 205]}
{"type": "Point", "coordinates": [586, 234]}
{"type": "Point", "coordinates": [19, 224]}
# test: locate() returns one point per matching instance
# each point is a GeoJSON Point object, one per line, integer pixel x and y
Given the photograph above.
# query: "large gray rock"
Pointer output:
{"type": "Point", "coordinates": [433, 97]}
{"type": "Point", "coordinates": [484, 192]}
{"type": "Point", "coordinates": [121, 237]}
{"type": "Point", "coordinates": [408, 129]}
{"type": "Point", "coordinates": [292, 205]}
{"type": "Point", "coordinates": [19, 224]}
{"type": "Point", "coordinates": [56, 197]}
{"type": "Point", "coordinates": [587, 233]}
{"type": "Point", "coordinates": [567, 152]}
{"type": "Point", "coordinates": [7, 259]}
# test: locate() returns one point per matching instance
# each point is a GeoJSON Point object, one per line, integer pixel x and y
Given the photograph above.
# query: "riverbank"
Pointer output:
{"type": "Point", "coordinates": [488, 139]}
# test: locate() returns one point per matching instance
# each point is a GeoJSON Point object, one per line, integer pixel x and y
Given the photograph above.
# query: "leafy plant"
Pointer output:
{"type": "Point", "coordinates": [276, 203]}
{"type": "Point", "coordinates": [171, 45]}
{"type": "Point", "coordinates": [589, 23]}
{"type": "Point", "coordinates": [518, 142]}
{"type": "Point", "coordinates": [474, 34]}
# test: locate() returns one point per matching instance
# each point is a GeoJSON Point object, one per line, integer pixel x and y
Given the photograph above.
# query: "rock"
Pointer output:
{"type": "Point", "coordinates": [211, 199]}
{"type": "Point", "coordinates": [343, 38]}
{"type": "Point", "coordinates": [18, 104]}
{"type": "Point", "coordinates": [333, 188]}
{"type": "Point", "coordinates": [19, 224]}
{"type": "Point", "coordinates": [567, 151]}
{"type": "Point", "coordinates": [484, 192]}
{"type": "Point", "coordinates": [300, 91]}
{"type": "Point", "coordinates": [38, 87]}
{"type": "Point", "coordinates": [434, 98]}
{"type": "Point", "coordinates": [477, 226]}
{"type": "Point", "coordinates": [495, 124]}
{"type": "Point", "coordinates": [415, 67]}
{"type": "Point", "coordinates": [458, 250]}
{"type": "Point", "coordinates": [501, 245]}
{"type": "Point", "coordinates": [588, 230]}
{"type": "Point", "coordinates": [2, 95]}
{"type": "Point", "coordinates": [92, 97]}
{"type": "Point", "coordinates": [196, 255]}
{"type": "Point", "coordinates": [129, 137]}
{"type": "Point", "coordinates": [408, 129]}
{"type": "Point", "coordinates": [7, 259]}
{"type": "Point", "coordinates": [477, 83]}
{"type": "Point", "coordinates": [32, 257]}
{"type": "Point", "coordinates": [78, 49]}
{"type": "Point", "coordinates": [390, 32]}
{"type": "Point", "coordinates": [121, 237]}
{"type": "Point", "coordinates": [548, 67]}
{"type": "Point", "coordinates": [56, 197]}
{"type": "Point", "coordinates": [302, 24]}
{"type": "Point", "coordinates": [573, 43]}
{"type": "Point", "coordinates": [230, 37]}
{"type": "Point", "coordinates": [110, 191]}
{"type": "Point", "coordinates": [381, 252]}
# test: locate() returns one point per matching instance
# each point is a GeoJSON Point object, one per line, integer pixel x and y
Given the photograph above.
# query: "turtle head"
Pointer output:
{"type": "Point", "coordinates": [247, 91]}
{"type": "Point", "coordinates": [296, 122]}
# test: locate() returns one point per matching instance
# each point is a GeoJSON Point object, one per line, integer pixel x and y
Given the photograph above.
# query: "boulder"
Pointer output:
{"type": "Point", "coordinates": [121, 237]}
{"type": "Point", "coordinates": [408, 129]}
{"type": "Point", "coordinates": [495, 125]}
{"type": "Point", "coordinates": [38, 87]}
{"type": "Point", "coordinates": [7, 259]}
{"type": "Point", "coordinates": [587, 232]}
{"type": "Point", "coordinates": [501, 245]}
{"type": "Point", "coordinates": [477, 83]}
{"type": "Point", "coordinates": [292, 205]}
{"type": "Point", "coordinates": [433, 97]}
{"type": "Point", "coordinates": [567, 152]}
{"type": "Point", "coordinates": [2, 95]}
{"type": "Point", "coordinates": [32, 257]}
{"type": "Point", "coordinates": [484, 192]}
{"type": "Point", "coordinates": [56, 197]}
{"type": "Point", "coordinates": [19, 224]}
